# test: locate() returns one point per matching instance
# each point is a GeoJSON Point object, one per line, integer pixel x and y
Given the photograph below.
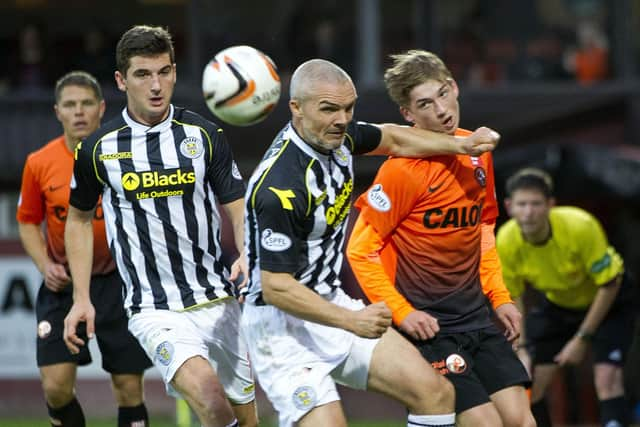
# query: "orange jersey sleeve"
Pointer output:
{"type": "Point", "coordinates": [364, 254]}
{"type": "Point", "coordinates": [493, 285]}
{"type": "Point", "coordinates": [44, 196]}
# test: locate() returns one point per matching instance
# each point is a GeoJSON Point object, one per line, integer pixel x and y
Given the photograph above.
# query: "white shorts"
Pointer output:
{"type": "Point", "coordinates": [172, 337]}
{"type": "Point", "coordinates": [298, 362]}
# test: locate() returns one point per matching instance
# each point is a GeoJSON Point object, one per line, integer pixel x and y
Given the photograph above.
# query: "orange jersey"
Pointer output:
{"type": "Point", "coordinates": [45, 196]}
{"type": "Point", "coordinates": [433, 221]}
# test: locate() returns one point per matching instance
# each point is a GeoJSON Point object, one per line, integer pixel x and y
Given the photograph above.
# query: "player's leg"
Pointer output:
{"type": "Point", "coordinates": [609, 385]}
{"type": "Point", "coordinates": [57, 365]}
{"type": "Point", "coordinates": [181, 355]}
{"type": "Point", "coordinates": [548, 329]}
{"type": "Point", "coordinates": [542, 376]}
{"type": "Point", "coordinates": [610, 347]}
{"type": "Point", "coordinates": [128, 391]}
{"type": "Point", "coordinates": [398, 370]}
{"type": "Point", "coordinates": [122, 355]}
{"type": "Point", "coordinates": [512, 404]}
{"type": "Point", "coordinates": [330, 414]}
{"type": "Point", "coordinates": [502, 375]}
{"type": "Point", "coordinates": [228, 356]}
{"type": "Point", "coordinates": [293, 359]}
{"type": "Point", "coordinates": [198, 384]}
{"type": "Point", "coordinates": [246, 413]}
{"type": "Point", "coordinates": [58, 384]}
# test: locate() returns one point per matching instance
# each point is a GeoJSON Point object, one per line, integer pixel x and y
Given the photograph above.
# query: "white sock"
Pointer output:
{"type": "Point", "coordinates": [444, 420]}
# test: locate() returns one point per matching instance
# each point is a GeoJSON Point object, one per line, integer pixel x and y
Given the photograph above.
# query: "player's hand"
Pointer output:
{"type": "Point", "coordinates": [372, 321]}
{"type": "Point", "coordinates": [56, 277]}
{"type": "Point", "coordinates": [240, 276]}
{"type": "Point", "coordinates": [81, 311]}
{"type": "Point", "coordinates": [572, 353]}
{"type": "Point", "coordinates": [420, 325]}
{"type": "Point", "coordinates": [480, 141]}
{"type": "Point", "coordinates": [511, 319]}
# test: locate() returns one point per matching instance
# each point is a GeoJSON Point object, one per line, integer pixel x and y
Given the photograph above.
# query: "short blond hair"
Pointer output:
{"type": "Point", "coordinates": [411, 69]}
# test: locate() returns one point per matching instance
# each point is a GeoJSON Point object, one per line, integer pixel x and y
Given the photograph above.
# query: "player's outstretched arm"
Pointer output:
{"type": "Point", "coordinates": [405, 141]}
{"type": "Point", "coordinates": [282, 290]}
{"type": "Point", "coordinates": [78, 238]}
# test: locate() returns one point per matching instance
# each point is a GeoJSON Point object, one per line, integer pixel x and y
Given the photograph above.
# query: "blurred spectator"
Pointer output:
{"type": "Point", "coordinates": [589, 61]}
{"type": "Point", "coordinates": [543, 57]}
{"type": "Point", "coordinates": [29, 70]}
{"type": "Point", "coordinates": [96, 56]}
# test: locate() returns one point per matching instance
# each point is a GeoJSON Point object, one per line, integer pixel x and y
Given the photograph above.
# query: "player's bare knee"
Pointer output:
{"type": "Point", "coordinates": [209, 397]}
{"type": "Point", "coordinates": [57, 393]}
{"type": "Point", "coordinates": [519, 419]}
{"type": "Point", "coordinates": [436, 396]}
{"type": "Point", "coordinates": [127, 389]}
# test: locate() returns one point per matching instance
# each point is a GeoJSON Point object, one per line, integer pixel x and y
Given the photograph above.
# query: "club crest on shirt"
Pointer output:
{"type": "Point", "coordinates": [235, 172]}
{"type": "Point", "coordinates": [481, 176]}
{"type": "Point", "coordinates": [274, 242]}
{"type": "Point", "coordinates": [164, 352]}
{"type": "Point", "coordinates": [341, 155]}
{"type": "Point", "coordinates": [191, 147]}
{"type": "Point", "coordinates": [378, 199]}
{"type": "Point", "coordinates": [304, 397]}
{"type": "Point", "coordinates": [44, 329]}
{"type": "Point", "coordinates": [456, 363]}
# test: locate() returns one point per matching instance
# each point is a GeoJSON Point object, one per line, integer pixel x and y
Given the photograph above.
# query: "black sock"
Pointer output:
{"type": "Point", "coordinates": [615, 409]}
{"type": "Point", "coordinates": [133, 416]}
{"type": "Point", "coordinates": [70, 415]}
{"type": "Point", "coordinates": [541, 413]}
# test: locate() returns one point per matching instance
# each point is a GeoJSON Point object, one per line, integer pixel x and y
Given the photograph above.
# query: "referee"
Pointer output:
{"type": "Point", "coordinates": [586, 303]}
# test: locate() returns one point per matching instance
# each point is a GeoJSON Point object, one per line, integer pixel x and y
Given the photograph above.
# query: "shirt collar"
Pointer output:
{"type": "Point", "coordinates": [158, 127]}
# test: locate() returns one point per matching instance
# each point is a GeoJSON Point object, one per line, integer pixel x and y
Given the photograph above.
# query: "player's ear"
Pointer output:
{"type": "Point", "coordinates": [103, 107]}
{"type": "Point", "coordinates": [295, 107]}
{"type": "Point", "coordinates": [507, 205]}
{"type": "Point", "coordinates": [407, 114]}
{"type": "Point", "coordinates": [55, 108]}
{"type": "Point", "coordinates": [120, 81]}
{"type": "Point", "coordinates": [454, 87]}
{"type": "Point", "coordinates": [552, 202]}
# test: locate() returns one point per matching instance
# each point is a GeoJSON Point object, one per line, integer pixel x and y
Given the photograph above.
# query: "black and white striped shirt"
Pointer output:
{"type": "Point", "coordinates": [297, 204]}
{"type": "Point", "coordinates": [159, 185]}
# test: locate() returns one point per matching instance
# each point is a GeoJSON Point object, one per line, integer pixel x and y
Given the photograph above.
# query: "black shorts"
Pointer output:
{"type": "Point", "coordinates": [549, 327]}
{"type": "Point", "coordinates": [121, 353]}
{"type": "Point", "coordinates": [478, 364]}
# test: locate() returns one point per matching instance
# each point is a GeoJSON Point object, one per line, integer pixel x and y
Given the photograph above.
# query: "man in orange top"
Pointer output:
{"type": "Point", "coordinates": [424, 244]}
{"type": "Point", "coordinates": [44, 196]}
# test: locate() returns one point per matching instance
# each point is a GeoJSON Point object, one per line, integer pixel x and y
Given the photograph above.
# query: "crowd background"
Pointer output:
{"type": "Point", "coordinates": [558, 79]}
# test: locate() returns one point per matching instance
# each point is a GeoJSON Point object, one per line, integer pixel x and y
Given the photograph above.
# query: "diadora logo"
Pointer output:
{"type": "Point", "coordinates": [161, 183]}
{"type": "Point", "coordinates": [378, 199]}
{"type": "Point", "coordinates": [116, 156]}
{"type": "Point", "coordinates": [275, 242]}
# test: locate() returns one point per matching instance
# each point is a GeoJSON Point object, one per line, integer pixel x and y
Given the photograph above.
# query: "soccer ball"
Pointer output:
{"type": "Point", "coordinates": [241, 85]}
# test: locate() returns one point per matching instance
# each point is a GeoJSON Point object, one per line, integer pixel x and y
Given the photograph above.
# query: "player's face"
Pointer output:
{"type": "Point", "coordinates": [79, 110]}
{"type": "Point", "coordinates": [433, 105]}
{"type": "Point", "coordinates": [149, 84]}
{"type": "Point", "coordinates": [530, 208]}
{"type": "Point", "coordinates": [322, 117]}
